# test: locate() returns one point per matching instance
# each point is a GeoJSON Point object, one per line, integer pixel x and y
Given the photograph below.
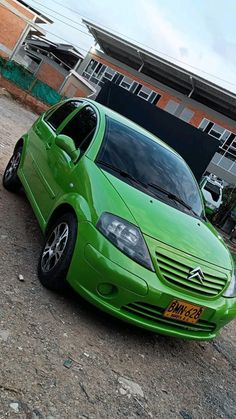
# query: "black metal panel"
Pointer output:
{"type": "Point", "coordinates": [196, 147]}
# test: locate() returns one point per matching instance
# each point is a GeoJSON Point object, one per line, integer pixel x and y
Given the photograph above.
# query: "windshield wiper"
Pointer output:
{"type": "Point", "coordinates": [172, 196]}
{"type": "Point", "coordinates": [122, 173]}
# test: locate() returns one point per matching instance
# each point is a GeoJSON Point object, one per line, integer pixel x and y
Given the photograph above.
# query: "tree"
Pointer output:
{"type": "Point", "coordinates": [229, 203]}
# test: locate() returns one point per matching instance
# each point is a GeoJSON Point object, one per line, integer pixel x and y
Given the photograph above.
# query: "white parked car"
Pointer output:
{"type": "Point", "coordinates": [212, 189]}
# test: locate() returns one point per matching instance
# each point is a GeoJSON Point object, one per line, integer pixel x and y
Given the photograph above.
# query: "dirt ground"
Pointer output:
{"type": "Point", "coordinates": [112, 370]}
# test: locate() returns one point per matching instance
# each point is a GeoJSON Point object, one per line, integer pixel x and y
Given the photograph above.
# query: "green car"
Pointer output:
{"type": "Point", "coordinates": [124, 221]}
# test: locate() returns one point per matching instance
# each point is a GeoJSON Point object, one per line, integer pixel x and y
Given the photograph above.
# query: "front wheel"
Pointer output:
{"type": "Point", "coordinates": [57, 252]}
{"type": "Point", "coordinates": [11, 180]}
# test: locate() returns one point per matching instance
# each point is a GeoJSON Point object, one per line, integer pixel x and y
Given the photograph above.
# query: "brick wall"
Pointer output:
{"type": "Point", "coordinates": [50, 75]}
{"type": "Point", "coordinates": [12, 27]}
{"type": "Point", "coordinates": [162, 102]}
{"type": "Point", "coordinates": [75, 88]}
{"type": "Point", "coordinates": [199, 115]}
{"type": "Point", "coordinates": [72, 90]}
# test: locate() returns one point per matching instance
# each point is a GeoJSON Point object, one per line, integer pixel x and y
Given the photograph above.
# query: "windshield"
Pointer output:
{"type": "Point", "coordinates": [214, 190]}
{"type": "Point", "coordinates": [157, 170]}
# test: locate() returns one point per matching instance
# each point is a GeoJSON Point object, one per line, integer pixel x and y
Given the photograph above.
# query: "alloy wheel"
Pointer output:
{"type": "Point", "coordinates": [13, 165]}
{"type": "Point", "coordinates": [54, 247]}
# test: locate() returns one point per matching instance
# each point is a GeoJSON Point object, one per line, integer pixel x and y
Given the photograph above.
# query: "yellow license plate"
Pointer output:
{"type": "Point", "coordinates": [183, 311]}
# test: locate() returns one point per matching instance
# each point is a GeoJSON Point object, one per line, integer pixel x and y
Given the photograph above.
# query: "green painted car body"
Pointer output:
{"type": "Point", "coordinates": [177, 241]}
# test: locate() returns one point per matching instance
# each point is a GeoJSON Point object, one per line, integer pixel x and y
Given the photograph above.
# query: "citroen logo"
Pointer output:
{"type": "Point", "coordinates": [197, 273]}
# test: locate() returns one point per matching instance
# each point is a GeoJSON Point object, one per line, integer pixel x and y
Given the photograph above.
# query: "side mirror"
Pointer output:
{"type": "Point", "coordinates": [67, 144]}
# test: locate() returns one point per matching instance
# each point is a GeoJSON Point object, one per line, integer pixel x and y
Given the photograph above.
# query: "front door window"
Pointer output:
{"type": "Point", "coordinates": [81, 128]}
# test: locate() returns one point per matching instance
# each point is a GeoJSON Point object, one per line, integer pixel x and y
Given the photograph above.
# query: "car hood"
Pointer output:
{"type": "Point", "coordinates": [173, 227]}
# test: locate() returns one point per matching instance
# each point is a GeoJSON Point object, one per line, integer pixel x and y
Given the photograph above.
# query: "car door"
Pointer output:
{"type": "Point", "coordinates": [38, 161]}
{"type": "Point", "coordinates": [65, 176]}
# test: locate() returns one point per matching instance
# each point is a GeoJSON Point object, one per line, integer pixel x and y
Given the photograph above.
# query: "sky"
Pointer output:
{"type": "Point", "coordinates": [198, 35]}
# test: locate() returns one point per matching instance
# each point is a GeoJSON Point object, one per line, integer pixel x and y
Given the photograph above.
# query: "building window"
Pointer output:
{"type": "Point", "coordinates": [94, 71]}
{"type": "Point", "coordinates": [154, 98]}
{"type": "Point", "coordinates": [147, 94]}
{"type": "Point", "coordinates": [126, 83]}
{"type": "Point", "coordinates": [233, 169]}
{"type": "Point", "coordinates": [98, 73]}
{"type": "Point", "coordinates": [204, 124]}
{"type": "Point", "coordinates": [186, 115]}
{"type": "Point", "coordinates": [226, 155]}
{"type": "Point", "coordinates": [144, 92]}
{"type": "Point", "coordinates": [109, 73]}
{"type": "Point", "coordinates": [225, 163]}
{"type": "Point", "coordinates": [90, 68]}
{"type": "Point", "coordinates": [215, 130]}
{"type": "Point", "coordinates": [228, 148]}
{"type": "Point", "coordinates": [225, 136]}
{"type": "Point", "coordinates": [172, 107]}
{"type": "Point", "coordinates": [99, 70]}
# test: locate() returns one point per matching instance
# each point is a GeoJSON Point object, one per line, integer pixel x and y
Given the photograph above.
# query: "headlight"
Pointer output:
{"type": "Point", "coordinates": [231, 290]}
{"type": "Point", "coordinates": [126, 237]}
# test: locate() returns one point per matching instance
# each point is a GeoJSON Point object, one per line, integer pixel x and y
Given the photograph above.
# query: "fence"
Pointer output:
{"type": "Point", "coordinates": [21, 77]}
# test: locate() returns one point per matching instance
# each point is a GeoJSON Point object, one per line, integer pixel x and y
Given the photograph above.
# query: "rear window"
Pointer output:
{"type": "Point", "coordinates": [214, 190]}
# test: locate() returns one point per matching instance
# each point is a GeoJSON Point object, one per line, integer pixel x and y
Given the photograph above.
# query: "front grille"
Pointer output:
{"type": "Point", "coordinates": [177, 272]}
{"type": "Point", "coordinates": [154, 314]}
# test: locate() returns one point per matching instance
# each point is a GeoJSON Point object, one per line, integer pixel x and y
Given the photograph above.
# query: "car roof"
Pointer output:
{"type": "Point", "coordinates": [126, 121]}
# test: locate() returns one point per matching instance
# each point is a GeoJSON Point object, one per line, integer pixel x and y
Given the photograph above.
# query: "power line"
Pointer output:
{"type": "Point", "coordinates": [62, 21]}
{"type": "Point", "coordinates": [146, 46]}
{"type": "Point", "coordinates": [66, 40]}
{"type": "Point", "coordinates": [60, 14]}
{"type": "Point", "coordinates": [86, 50]}
{"type": "Point", "coordinates": [46, 30]}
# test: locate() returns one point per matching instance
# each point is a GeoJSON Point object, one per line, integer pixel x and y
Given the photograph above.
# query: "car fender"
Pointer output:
{"type": "Point", "coordinates": [78, 204]}
{"type": "Point", "coordinates": [22, 141]}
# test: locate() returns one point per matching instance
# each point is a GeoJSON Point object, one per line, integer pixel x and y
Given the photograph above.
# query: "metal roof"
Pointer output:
{"type": "Point", "coordinates": [164, 71]}
{"type": "Point", "coordinates": [64, 54]}
{"type": "Point", "coordinates": [54, 46]}
{"type": "Point", "coordinates": [41, 18]}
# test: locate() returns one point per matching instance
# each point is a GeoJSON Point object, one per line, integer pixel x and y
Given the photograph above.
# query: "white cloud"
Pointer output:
{"type": "Point", "coordinates": [182, 48]}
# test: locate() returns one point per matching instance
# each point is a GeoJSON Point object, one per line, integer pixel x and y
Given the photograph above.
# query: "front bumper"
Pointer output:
{"type": "Point", "coordinates": [116, 284]}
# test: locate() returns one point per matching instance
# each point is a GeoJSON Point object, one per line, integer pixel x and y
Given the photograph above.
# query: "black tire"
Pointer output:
{"type": "Point", "coordinates": [52, 272]}
{"type": "Point", "coordinates": [10, 180]}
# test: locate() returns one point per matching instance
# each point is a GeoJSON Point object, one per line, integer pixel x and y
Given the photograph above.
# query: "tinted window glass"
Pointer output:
{"type": "Point", "coordinates": [57, 117]}
{"type": "Point", "coordinates": [213, 189]}
{"type": "Point", "coordinates": [51, 110]}
{"type": "Point", "coordinates": [81, 128]}
{"type": "Point", "coordinates": [149, 163]}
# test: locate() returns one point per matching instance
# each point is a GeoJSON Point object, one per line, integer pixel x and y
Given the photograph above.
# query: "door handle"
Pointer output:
{"type": "Point", "coordinates": [48, 146]}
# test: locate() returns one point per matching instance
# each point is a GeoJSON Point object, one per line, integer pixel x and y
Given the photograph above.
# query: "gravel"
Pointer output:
{"type": "Point", "coordinates": [62, 358]}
